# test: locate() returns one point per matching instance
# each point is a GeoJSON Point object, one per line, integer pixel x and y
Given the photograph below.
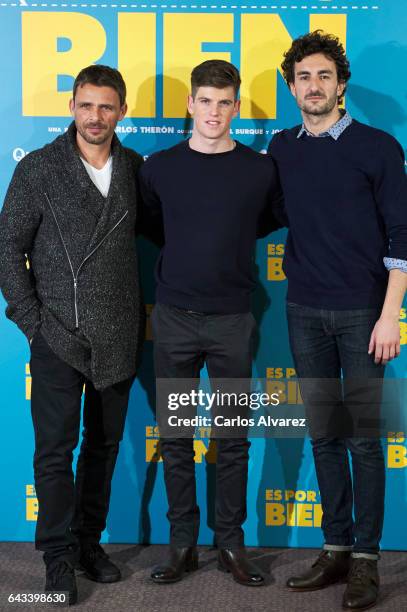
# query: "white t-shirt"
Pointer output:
{"type": "Point", "coordinates": [101, 178]}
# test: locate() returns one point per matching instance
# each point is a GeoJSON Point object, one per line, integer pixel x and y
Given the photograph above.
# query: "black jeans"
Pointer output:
{"type": "Point", "coordinates": [323, 344]}
{"type": "Point", "coordinates": [183, 342]}
{"type": "Point", "coordinates": [72, 512]}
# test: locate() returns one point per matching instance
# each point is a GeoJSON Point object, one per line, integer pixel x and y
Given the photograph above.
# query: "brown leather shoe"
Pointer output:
{"type": "Point", "coordinates": [242, 570]}
{"type": "Point", "coordinates": [363, 585]}
{"type": "Point", "coordinates": [181, 560]}
{"type": "Point", "coordinates": [330, 567]}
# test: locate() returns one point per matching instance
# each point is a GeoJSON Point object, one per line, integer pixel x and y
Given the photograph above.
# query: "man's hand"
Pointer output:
{"type": "Point", "coordinates": [385, 340]}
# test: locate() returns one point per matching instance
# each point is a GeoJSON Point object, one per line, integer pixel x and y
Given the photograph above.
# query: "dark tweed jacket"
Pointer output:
{"type": "Point", "coordinates": [82, 288]}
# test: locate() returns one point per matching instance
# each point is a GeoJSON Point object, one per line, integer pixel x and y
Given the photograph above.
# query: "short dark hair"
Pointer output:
{"type": "Point", "coordinates": [317, 42]}
{"type": "Point", "coordinates": [101, 76]}
{"type": "Point", "coordinates": [215, 73]}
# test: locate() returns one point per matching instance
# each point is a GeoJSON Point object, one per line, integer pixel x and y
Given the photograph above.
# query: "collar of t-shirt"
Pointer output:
{"type": "Point", "coordinates": [101, 178]}
{"type": "Point", "coordinates": [334, 131]}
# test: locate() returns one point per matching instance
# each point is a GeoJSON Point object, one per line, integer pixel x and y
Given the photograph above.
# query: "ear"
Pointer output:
{"type": "Point", "coordinates": [72, 106]}
{"type": "Point", "coordinates": [123, 112]}
{"type": "Point", "coordinates": [293, 90]}
{"type": "Point", "coordinates": [340, 88]}
{"type": "Point", "coordinates": [190, 104]}
{"type": "Point", "coordinates": [236, 108]}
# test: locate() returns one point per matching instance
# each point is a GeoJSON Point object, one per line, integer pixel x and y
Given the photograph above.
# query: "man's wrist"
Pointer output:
{"type": "Point", "coordinates": [391, 317]}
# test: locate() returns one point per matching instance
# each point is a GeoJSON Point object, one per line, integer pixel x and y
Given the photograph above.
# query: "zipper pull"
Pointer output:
{"type": "Point", "coordinates": [75, 287]}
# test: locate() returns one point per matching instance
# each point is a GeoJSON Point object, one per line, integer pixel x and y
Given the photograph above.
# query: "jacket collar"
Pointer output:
{"type": "Point", "coordinates": [78, 170]}
{"type": "Point", "coordinates": [116, 203]}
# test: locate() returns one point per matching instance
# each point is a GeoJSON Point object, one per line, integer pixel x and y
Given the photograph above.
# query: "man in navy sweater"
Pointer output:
{"type": "Point", "coordinates": [345, 196]}
{"type": "Point", "coordinates": [216, 197]}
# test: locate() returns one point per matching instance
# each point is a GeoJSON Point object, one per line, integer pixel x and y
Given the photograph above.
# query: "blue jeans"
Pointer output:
{"type": "Point", "coordinates": [325, 344]}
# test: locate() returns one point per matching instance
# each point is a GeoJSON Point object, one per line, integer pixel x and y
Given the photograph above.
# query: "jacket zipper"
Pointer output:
{"type": "Point", "coordinates": [75, 276]}
{"type": "Point", "coordinates": [102, 241]}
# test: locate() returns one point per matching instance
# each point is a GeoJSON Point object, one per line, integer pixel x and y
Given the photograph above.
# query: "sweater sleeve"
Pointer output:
{"type": "Point", "coordinates": [19, 221]}
{"type": "Point", "coordinates": [390, 192]}
{"type": "Point", "coordinates": [273, 216]}
{"type": "Point", "coordinates": [277, 213]}
{"type": "Point", "coordinates": [150, 219]}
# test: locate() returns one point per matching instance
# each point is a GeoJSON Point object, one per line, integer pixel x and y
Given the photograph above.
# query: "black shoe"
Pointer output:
{"type": "Point", "coordinates": [242, 570]}
{"type": "Point", "coordinates": [330, 567]}
{"type": "Point", "coordinates": [181, 560]}
{"type": "Point", "coordinates": [60, 578]}
{"type": "Point", "coordinates": [363, 585]}
{"type": "Point", "coordinates": [97, 565]}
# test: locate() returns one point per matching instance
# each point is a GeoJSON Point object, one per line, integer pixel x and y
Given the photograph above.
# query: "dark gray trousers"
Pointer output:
{"type": "Point", "coordinates": [183, 342]}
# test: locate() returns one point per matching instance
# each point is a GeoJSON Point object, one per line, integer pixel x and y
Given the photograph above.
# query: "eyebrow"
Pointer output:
{"type": "Point", "coordinates": [93, 103]}
{"type": "Point", "coordinates": [324, 71]}
{"type": "Point", "coordinates": [207, 98]}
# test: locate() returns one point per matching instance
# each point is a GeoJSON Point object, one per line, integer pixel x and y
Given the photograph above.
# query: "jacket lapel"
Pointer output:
{"type": "Point", "coordinates": [116, 203]}
{"type": "Point", "coordinates": [83, 191]}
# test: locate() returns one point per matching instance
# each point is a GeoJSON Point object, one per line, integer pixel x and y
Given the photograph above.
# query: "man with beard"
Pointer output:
{"type": "Point", "coordinates": [71, 212]}
{"type": "Point", "coordinates": [345, 196]}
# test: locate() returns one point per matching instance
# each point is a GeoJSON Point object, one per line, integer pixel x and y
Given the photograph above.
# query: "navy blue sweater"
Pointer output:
{"type": "Point", "coordinates": [213, 206]}
{"type": "Point", "coordinates": [346, 202]}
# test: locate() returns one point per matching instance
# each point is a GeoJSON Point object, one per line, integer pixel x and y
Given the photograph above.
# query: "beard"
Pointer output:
{"type": "Point", "coordinates": [96, 140]}
{"type": "Point", "coordinates": [310, 108]}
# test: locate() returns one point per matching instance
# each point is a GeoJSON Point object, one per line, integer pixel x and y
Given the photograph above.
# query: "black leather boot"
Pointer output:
{"type": "Point", "coordinates": [181, 560]}
{"type": "Point", "coordinates": [243, 571]}
{"type": "Point", "coordinates": [330, 567]}
{"type": "Point", "coordinates": [363, 585]}
{"type": "Point", "coordinates": [96, 564]}
{"type": "Point", "coordinates": [60, 579]}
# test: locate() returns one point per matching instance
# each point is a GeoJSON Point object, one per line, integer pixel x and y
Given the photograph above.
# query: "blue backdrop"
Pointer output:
{"type": "Point", "coordinates": [42, 47]}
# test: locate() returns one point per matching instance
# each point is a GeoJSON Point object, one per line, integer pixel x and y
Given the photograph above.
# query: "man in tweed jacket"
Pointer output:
{"type": "Point", "coordinates": [70, 213]}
